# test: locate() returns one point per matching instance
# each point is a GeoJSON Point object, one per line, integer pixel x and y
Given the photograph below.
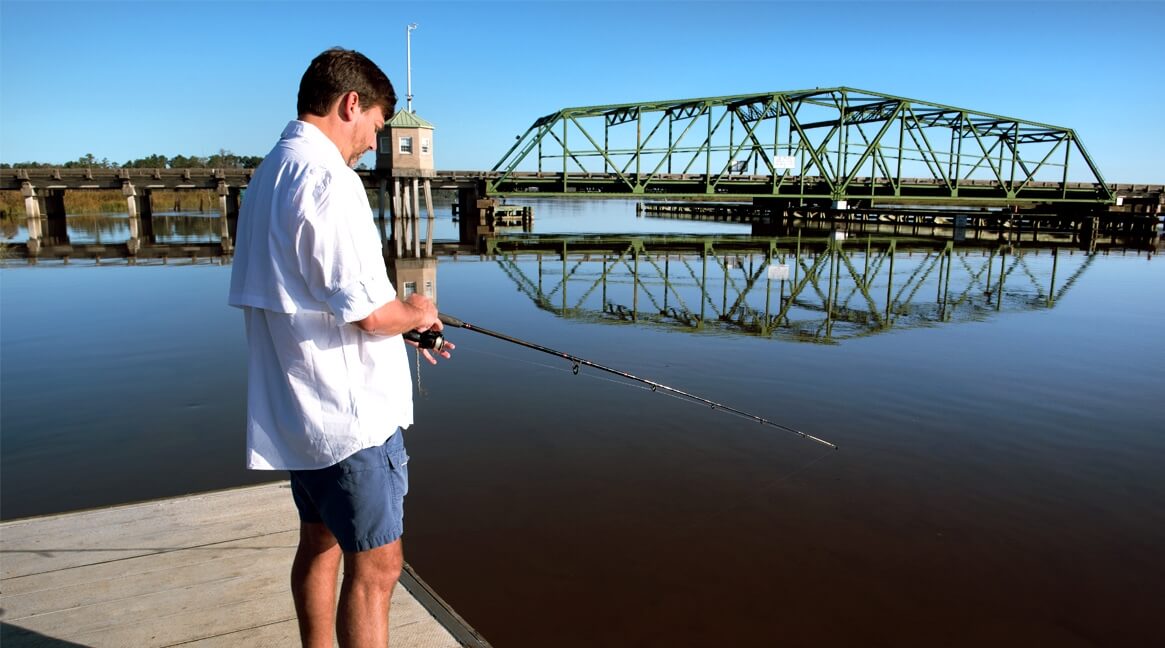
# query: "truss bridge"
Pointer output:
{"type": "Point", "coordinates": [833, 145]}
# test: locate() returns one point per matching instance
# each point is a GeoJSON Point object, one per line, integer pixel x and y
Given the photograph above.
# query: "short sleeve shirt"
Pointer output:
{"type": "Point", "coordinates": [308, 263]}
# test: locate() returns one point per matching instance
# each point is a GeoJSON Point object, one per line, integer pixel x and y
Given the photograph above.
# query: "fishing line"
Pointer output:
{"type": "Point", "coordinates": [512, 358]}
{"type": "Point", "coordinates": [434, 339]}
{"type": "Point", "coordinates": [789, 475]}
{"type": "Point", "coordinates": [560, 369]}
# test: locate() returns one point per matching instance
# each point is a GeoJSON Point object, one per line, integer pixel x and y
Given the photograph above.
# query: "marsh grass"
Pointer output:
{"type": "Point", "coordinates": [106, 201]}
{"type": "Point", "coordinates": [112, 201]}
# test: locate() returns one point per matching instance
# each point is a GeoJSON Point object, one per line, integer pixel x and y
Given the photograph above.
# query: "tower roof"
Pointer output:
{"type": "Point", "coordinates": [406, 119]}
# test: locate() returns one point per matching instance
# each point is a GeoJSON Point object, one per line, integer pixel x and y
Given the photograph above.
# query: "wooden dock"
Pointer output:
{"type": "Point", "coordinates": [203, 570]}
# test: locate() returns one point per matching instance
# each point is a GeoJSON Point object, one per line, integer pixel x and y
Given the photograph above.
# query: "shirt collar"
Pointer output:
{"type": "Point", "coordinates": [315, 138]}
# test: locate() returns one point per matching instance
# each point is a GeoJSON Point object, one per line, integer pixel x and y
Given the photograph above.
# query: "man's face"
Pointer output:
{"type": "Point", "coordinates": [367, 125]}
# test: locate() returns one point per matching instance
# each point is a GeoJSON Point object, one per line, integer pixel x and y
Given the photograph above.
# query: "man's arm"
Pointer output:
{"type": "Point", "coordinates": [417, 313]}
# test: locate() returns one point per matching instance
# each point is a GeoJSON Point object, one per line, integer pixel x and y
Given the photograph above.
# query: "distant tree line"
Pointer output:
{"type": "Point", "coordinates": [224, 159]}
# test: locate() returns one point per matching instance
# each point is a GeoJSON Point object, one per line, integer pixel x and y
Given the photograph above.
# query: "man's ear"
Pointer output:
{"type": "Point", "coordinates": [349, 106]}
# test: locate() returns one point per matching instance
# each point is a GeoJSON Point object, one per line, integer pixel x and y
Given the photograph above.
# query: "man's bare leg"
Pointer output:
{"type": "Point", "coordinates": [365, 595]}
{"type": "Point", "coordinates": [313, 584]}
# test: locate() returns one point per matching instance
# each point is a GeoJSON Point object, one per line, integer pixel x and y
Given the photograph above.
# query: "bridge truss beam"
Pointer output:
{"type": "Point", "coordinates": [815, 145]}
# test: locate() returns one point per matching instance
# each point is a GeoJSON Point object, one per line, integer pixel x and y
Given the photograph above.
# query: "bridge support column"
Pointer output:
{"type": "Point", "coordinates": [131, 203]}
{"type": "Point", "coordinates": [146, 203]}
{"type": "Point", "coordinates": [381, 194]}
{"type": "Point", "coordinates": [415, 212]}
{"type": "Point", "coordinates": [476, 215]}
{"type": "Point", "coordinates": [32, 211]}
{"type": "Point", "coordinates": [228, 200]}
{"type": "Point", "coordinates": [225, 234]}
{"type": "Point", "coordinates": [31, 203]}
{"type": "Point", "coordinates": [467, 215]}
{"type": "Point", "coordinates": [54, 212]}
{"type": "Point", "coordinates": [134, 244]}
{"type": "Point", "coordinates": [54, 203]}
{"type": "Point", "coordinates": [397, 218]}
{"type": "Point", "coordinates": [430, 219]}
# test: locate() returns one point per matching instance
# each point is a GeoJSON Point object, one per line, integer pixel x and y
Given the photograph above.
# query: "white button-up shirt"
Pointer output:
{"type": "Point", "coordinates": [308, 262]}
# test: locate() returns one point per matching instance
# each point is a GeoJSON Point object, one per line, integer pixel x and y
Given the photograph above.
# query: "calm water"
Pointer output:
{"type": "Point", "coordinates": [999, 480]}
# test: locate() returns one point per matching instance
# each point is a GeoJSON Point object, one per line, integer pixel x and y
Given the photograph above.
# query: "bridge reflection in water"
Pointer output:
{"type": "Point", "coordinates": [815, 286]}
{"type": "Point", "coordinates": [822, 289]}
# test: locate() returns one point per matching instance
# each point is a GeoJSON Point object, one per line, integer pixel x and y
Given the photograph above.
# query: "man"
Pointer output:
{"type": "Point", "coordinates": [329, 391]}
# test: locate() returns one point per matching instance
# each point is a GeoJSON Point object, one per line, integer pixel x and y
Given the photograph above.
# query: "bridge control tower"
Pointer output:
{"type": "Point", "coordinates": [406, 146]}
{"type": "Point", "coordinates": [404, 154]}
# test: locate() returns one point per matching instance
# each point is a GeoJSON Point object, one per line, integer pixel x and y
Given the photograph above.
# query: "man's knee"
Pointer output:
{"type": "Point", "coordinates": [377, 569]}
{"type": "Point", "coordinates": [315, 538]}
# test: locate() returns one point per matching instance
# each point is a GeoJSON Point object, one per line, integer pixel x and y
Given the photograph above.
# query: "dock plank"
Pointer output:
{"type": "Point", "coordinates": [205, 570]}
{"type": "Point", "coordinates": [57, 542]}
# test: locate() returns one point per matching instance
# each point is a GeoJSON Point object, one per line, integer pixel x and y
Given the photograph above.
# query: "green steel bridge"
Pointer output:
{"type": "Point", "coordinates": [842, 147]}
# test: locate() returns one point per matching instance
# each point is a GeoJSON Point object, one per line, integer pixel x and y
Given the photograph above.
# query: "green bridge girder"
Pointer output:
{"type": "Point", "coordinates": [814, 146]}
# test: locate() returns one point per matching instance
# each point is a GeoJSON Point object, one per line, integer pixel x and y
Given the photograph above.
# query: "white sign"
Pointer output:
{"type": "Point", "coordinates": [784, 162]}
{"type": "Point", "coordinates": [780, 271]}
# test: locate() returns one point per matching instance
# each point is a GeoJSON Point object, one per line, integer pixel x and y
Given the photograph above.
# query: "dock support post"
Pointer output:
{"type": "Point", "coordinates": [430, 220]}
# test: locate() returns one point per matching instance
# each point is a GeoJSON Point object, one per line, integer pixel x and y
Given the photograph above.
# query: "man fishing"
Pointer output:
{"type": "Point", "coordinates": [329, 392]}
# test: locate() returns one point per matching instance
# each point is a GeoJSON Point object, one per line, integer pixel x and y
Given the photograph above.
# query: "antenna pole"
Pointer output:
{"type": "Point", "coordinates": [409, 64]}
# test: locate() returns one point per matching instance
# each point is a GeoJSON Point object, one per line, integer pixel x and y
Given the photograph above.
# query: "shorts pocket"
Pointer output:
{"type": "Point", "coordinates": [398, 464]}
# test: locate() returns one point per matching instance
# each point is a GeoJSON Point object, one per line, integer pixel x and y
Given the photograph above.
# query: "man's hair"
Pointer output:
{"type": "Point", "coordinates": [338, 71]}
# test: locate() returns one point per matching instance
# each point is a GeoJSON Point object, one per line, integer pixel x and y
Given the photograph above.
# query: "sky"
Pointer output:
{"type": "Point", "coordinates": [126, 79]}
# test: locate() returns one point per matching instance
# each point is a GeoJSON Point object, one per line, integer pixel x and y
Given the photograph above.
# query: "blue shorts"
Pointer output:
{"type": "Point", "coordinates": [360, 499]}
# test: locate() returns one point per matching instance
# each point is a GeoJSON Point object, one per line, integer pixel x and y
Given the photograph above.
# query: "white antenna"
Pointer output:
{"type": "Point", "coordinates": [409, 63]}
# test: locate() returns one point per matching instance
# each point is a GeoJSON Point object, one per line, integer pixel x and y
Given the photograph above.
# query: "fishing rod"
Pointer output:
{"type": "Point", "coordinates": [434, 340]}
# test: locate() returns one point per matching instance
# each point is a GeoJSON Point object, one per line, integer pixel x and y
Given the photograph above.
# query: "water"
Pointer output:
{"type": "Point", "coordinates": [999, 479]}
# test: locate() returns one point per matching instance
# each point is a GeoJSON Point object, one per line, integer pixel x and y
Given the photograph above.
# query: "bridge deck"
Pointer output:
{"type": "Point", "coordinates": [657, 185]}
{"type": "Point", "coordinates": [205, 570]}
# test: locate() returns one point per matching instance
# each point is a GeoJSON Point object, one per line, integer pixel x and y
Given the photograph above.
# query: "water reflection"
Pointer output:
{"type": "Point", "coordinates": [1014, 468]}
{"type": "Point", "coordinates": [815, 286]}
{"type": "Point", "coordinates": [813, 290]}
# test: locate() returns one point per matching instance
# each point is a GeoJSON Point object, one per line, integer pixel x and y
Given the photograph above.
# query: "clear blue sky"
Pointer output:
{"type": "Point", "coordinates": [123, 80]}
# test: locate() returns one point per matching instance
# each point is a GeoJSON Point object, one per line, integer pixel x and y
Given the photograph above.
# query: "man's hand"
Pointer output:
{"type": "Point", "coordinates": [443, 351]}
{"type": "Point", "coordinates": [430, 342]}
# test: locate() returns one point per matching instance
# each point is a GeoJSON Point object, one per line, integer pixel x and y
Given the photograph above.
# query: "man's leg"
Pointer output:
{"type": "Point", "coordinates": [313, 584]}
{"type": "Point", "coordinates": [369, 577]}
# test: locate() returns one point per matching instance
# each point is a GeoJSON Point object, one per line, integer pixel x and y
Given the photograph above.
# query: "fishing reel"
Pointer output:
{"type": "Point", "coordinates": [426, 339]}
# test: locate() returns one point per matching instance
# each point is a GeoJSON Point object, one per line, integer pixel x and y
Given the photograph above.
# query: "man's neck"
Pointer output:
{"type": "Point", "coordinates": [330, 125]}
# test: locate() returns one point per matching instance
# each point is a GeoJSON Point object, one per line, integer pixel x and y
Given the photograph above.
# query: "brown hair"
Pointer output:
{"type": "Point", "coordinates": [338, 71]}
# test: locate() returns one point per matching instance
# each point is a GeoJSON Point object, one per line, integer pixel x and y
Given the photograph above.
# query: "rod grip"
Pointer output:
{"type": "Point", "coordinates": [449, 320]}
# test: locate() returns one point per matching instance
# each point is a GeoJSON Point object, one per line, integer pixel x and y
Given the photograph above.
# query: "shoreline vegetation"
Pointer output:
{"type": "Point", "coordinates": [105, 201]}
{"type": "Point", "coordinates": [224, 159]}
{"type": "Point", "coordinates": [112, 201]}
